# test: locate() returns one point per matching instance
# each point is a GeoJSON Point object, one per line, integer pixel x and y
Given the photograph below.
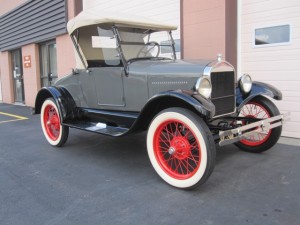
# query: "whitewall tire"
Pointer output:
{"type": "Point", "coordinates": [181, 148]}
{"type": "Point", "coordinates": [54, 132]}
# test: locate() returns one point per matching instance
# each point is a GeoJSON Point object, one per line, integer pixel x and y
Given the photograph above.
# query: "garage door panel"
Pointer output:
{"type": "Point", "coordinates": [272, 5]}
{"type": "Point", "coordinates": [277, 55]}
{"type": "Point", "coordinates": [291, 98]}
{"type": "Point", "coordinates": [293, 116]}
{"type": "Point", "coordinates": [266, 76]}
{"type": "Point", "coordinates": [286, 85]}
{"type": "Point", "coordinates": [273, 66]}
{"type": "Point", "coordinates": [292, 127]}
{"type": "Point", "coordinates": [288, 106]}
{"type": "Point", "coordinates": [289, 93]}
{"type": "Point", "coordinates": [278, 65]}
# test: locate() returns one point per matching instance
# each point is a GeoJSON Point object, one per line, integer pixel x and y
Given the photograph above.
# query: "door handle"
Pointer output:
{"type": "Point", "coordinates": [50, 76]}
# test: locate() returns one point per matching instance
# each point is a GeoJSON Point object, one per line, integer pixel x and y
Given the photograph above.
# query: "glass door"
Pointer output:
{"type": "Point", "coordinates": [48, 61]}
{"type": "Point", "coordinates": [17, 72]}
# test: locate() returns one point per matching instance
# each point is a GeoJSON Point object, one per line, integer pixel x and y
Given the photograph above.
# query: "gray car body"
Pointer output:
{"type": "Point", "coordinates": [112, 89]}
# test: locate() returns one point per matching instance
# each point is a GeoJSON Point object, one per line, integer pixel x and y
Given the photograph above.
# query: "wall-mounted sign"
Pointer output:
{"type": "Point", "coordinates": [27, 61]}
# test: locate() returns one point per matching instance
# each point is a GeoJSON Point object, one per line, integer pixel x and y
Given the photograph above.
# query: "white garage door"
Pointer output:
{"type": "Point", "coordinates": [167, 11]}
{"type": "Point", "coordinates": [269, 50]}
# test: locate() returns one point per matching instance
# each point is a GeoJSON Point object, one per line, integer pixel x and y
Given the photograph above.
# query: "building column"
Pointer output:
{"type": "Point", "coordinates": [209, 28]}
{"type": "Point", "coordinates": [31, 73]}
{"type": "Point", "coordinates": [6, 77]}
{"type": "Point", "coordinates": [65, 50]}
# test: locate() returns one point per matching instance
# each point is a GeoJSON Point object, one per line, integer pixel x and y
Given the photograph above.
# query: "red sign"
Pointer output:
{"type": "Point", "coordinates": [27, 61]}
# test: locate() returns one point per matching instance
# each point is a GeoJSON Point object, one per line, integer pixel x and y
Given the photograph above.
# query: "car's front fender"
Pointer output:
{"type": "Point", "coordinates": [258, 88]}
{"type": "Point", "coordinates": [168, 99]}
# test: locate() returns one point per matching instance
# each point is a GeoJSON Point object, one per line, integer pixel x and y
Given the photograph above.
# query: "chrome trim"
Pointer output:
{"type": "Point", "coordinates": [241, 82]}
{"type": "Point", "coordinates": [197, 86]}
{"type": "Point", "coordinates": [221, 66]}
{"type": "Point", "coordinates": [237, 134]}
{"type": "Point", "coordinates": [218, 66]}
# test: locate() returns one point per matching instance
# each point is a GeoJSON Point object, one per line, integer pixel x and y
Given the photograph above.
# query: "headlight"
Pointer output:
{"type": "Point", "coordinates": [203, 86]}
{"type": "Point", "coordinates": [245, 83]}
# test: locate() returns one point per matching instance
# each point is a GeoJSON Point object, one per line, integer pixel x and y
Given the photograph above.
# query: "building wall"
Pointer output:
{"type": "Point", "coordinates": [8, 5]}
{"type": "Point", "coordinates": [32, 81]}
{"type": "Point", "coordinates": [203, 28]}
{"type": "Point", "coordinates": [278, 65]}
{"type": "Point", "coordinates": [209, 28]}
{"type": "Point", "coordinates": [0, 88]}
{"type": "Point", "coordinates": [65, 53]}
{"type": "Point", "coordinates": [6, 77]}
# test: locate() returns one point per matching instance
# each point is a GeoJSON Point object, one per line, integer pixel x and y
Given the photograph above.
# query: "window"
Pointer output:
{"type": "Point", "coordinates": [274, 35]}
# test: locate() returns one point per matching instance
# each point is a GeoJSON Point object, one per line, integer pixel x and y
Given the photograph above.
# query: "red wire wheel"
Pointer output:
{"type": "Point", "coordinates": [52, 122]}
{"type": "Point", "coordinates": [260, 108]}
{"type": "Point", "coordinates": [181, 148]}
{"type": "Point", "coordinates": [55, 133]}
{"type": "Point", "coordinates": [177, 149]}
{"type": "Point", "coordinates": [255, 110]}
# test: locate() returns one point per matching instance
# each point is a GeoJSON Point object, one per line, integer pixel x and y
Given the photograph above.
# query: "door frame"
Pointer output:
{"type": "Point", "coordinates": [21, 75]}
{"type": "Point", "coordinates": [47, 43]}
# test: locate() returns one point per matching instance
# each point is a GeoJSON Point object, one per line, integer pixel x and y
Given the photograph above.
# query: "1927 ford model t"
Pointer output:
{"type": "Point", "coordinates": [129, 80]}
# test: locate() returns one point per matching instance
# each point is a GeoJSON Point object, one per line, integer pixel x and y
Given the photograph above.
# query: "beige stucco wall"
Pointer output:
{"type": "Point", "coordinates": [31, 76]}
{"type": "Point", "coordinates": [64, 47]}
{"type": "Point", "coordinates": [8, 5]}
{"type": "Point", "coordinates": [65, 55]}
{"type": "Point", "coordinates": [209, 28]}
{"type": "Point", "coordinates": [203, 28]}
{"type": "Point", "coordinates": [6, 77]}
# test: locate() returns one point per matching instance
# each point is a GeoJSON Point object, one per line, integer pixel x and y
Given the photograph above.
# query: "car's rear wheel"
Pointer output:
{"type": "Point", "coordinates": [261, 108]}
{"type": "Point", "coordinates": [55, 133]}
{"type": "Point", "coordinates": [181, 148]}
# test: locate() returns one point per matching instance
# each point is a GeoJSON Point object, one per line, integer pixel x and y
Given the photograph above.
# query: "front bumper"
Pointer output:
{"type": "Point", "coordinates": [237, 134]}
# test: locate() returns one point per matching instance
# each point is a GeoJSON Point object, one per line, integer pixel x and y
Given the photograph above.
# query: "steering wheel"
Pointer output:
{"type": "Point", "coordinates": [144, 50]}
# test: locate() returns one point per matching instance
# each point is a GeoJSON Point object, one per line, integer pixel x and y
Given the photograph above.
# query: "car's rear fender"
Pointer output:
{"type": "Point", "coordinates": [258, 89]}
{"type": "Point", "coordinates": [64, 101]}
{"type": "Point", "coordinates": [178, 98]}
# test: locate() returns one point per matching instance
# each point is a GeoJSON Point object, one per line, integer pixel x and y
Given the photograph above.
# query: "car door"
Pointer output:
{"type": "Point", "coordinates": [109, 87]}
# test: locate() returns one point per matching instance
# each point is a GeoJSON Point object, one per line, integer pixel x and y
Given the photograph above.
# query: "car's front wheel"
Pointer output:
{"type": "Point", "coordinates": [181, 148]}
{"type": "Point", "coordinates": [55, 133]}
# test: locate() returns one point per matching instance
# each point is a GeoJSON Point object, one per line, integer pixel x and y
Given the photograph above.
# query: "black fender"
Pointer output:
{"type": "Point", "coordinates": [64, 101]}
{"type": "Point", "coordinates": [258, 89]}
{"type": "Point", "coordinates": [168, 99]}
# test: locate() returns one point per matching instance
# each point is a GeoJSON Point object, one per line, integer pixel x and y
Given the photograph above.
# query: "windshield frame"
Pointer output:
{"type": "Point", "coordinates": [121, 53]}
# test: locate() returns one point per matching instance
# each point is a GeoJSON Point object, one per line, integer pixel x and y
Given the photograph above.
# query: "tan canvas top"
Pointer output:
{"type": "Point", "coordinates": [95, 16]}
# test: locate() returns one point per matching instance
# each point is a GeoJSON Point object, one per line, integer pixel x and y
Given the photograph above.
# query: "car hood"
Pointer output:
{"type": "Point", "coordinates": [166, 75]}
{"type": "Point", "coordinates": [169, 68]}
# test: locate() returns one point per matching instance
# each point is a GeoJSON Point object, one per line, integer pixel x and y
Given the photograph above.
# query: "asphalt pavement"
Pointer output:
{"type": "Point", "coordinates": [96, 179]}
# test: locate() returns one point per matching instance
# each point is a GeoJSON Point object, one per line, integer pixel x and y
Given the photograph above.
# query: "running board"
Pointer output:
{"type": "Point", "coordinates": [100, 128]}
{"type": "Point", "coordinates": [240, 133]}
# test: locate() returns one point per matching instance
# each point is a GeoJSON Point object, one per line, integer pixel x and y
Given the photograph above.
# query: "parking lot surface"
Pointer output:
{"type": "Point", "coordinates": [95, 179]}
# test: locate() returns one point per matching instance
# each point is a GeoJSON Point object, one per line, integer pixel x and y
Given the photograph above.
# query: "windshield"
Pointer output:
{"type": "Point", "coordinates": [140, 44]}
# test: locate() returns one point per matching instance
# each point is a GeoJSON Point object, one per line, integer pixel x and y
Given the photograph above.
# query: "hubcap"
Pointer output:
{"type": "Point", "coordinates": [172, 151]}
{"type": "Point", "coordinates": [181, 146]}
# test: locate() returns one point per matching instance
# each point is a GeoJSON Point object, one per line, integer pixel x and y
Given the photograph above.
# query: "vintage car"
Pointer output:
{"type": "Point", "coordinates": [128, 80]}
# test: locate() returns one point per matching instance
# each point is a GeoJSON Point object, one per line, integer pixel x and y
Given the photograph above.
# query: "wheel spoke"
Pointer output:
{"type": "Point", "coordinates": [255, 110]}
{"type": "Point", "coordinates": [177, 149]}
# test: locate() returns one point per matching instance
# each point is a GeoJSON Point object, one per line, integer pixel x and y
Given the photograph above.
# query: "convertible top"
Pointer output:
{"type": "Point", "coordinates": [96, 16]}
